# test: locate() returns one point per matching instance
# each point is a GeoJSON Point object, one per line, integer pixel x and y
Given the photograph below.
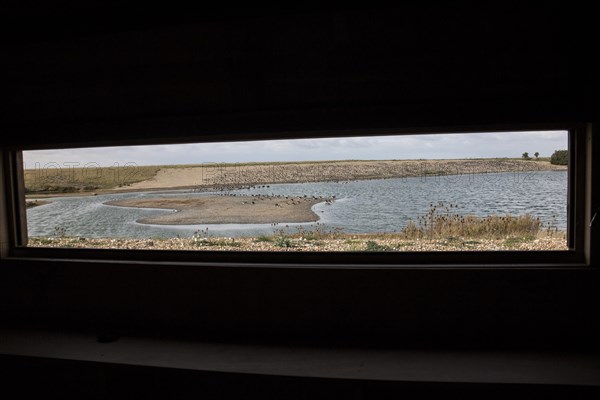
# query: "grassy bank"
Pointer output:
{"type": "Point", "coordinates": [73, 180]}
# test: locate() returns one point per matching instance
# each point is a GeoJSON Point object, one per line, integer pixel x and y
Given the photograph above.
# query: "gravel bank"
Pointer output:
{"type": "Point", "coordinates": [283, 243]}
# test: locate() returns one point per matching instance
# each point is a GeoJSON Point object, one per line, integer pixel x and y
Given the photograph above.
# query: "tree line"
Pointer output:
{"type": "Point", "coordinates": [559, 157]}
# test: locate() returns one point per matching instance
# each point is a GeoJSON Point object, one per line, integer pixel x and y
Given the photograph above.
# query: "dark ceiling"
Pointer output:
{"type": "Point", "coordinates": [278, 68]}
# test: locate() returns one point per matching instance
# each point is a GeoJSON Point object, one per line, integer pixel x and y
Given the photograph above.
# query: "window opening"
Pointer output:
{"type": "Point", "coordinates": [490, 191]}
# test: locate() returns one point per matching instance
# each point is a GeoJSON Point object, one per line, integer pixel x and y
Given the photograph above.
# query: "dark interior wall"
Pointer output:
{"type": "Point", "coordinates": [104, 76]}
{"type": "Point", "coordinates": [398, 308]}
{"type": "Point", "coordinates": [279, 70]}
{"type": "Point", "coordinates": [275, 70]}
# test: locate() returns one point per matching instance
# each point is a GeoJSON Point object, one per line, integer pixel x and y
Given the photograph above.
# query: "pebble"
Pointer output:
{"type": "Point", "coordinates": [334, 242]}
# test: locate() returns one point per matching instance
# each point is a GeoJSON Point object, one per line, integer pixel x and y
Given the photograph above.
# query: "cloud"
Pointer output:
{"type": "Point", "coordinates": [472, 145]}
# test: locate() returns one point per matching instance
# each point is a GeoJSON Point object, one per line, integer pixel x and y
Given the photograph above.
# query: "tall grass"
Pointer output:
{"type": "Point", "coordinates": [441, 221]}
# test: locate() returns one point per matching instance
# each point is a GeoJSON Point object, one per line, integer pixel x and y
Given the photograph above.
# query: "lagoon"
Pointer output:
{"type": "Point", "coordinates": [364, 206]}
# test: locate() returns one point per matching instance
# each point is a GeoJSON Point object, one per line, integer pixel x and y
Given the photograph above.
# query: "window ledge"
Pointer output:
{"type": "Point", "coordinates": [548, 368]}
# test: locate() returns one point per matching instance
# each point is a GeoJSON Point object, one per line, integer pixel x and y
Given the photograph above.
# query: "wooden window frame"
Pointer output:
{"type": "Point", "coordinates": [579, 212]}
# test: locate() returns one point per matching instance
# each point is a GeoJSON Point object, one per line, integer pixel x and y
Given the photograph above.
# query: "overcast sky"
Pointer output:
{"type": "Point", "coordinates": [444, 146]}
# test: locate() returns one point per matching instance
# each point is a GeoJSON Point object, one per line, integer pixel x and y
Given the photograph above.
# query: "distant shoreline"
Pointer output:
{"type": "Point", "coordinates": [209, 177]}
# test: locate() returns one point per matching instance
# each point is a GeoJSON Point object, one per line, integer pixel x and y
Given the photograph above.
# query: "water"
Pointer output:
{"type": "Point", "coordinates": [360, 207]}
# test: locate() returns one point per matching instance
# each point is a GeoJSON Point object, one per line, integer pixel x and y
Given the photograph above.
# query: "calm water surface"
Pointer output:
{"type": "Point", "coordinates": [361, 206]}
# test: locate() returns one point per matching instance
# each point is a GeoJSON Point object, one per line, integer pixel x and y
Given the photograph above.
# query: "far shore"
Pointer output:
{"type": "Point", "coordinates": [215, 177]}
{"type": "Point", "coordinates": [228, 209]}
{"type": "Point", "coordinates": [232, 176]}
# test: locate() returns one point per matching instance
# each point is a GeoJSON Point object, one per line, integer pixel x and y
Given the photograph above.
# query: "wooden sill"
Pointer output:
{"type": "Point", "coordinates": [545, 368]}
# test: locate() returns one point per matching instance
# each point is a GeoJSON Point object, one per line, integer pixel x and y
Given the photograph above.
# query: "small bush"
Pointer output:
{"type": "Point", "coordinates": [201, 238]}
{"type": "Point", "coordinates": [374, 246]}
{"type": "Point", "coordinates": [514, 241]}
{"type": "Point", "coordinates": [560, 157]}
{"type": "Point", "coordinates": [282, 241]}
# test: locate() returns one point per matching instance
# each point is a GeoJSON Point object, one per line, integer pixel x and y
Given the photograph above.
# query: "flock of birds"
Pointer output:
{"type": "Point", "coordinates": [285, 199]}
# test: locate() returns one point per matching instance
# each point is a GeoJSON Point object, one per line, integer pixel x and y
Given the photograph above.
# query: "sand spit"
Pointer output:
{"type": "Point", "coordinates": [228, 209]}
{"type": "Point", "coordinates": [35, 203]}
